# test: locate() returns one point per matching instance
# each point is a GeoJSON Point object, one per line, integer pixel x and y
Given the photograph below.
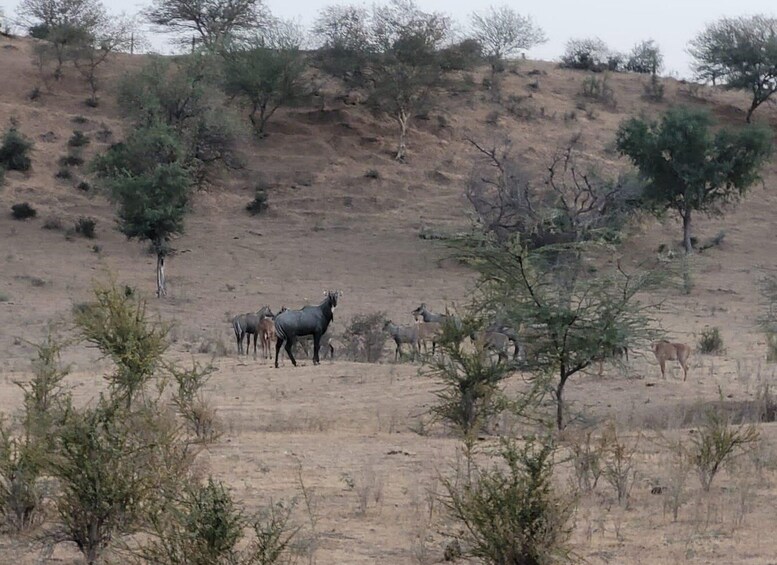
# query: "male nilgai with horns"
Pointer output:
{"type": "Point", "coordinates": [311, 320]}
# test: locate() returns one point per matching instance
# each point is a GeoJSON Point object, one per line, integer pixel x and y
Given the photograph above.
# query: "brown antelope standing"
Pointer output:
{"type": "Point", "coordinates": [667, 351]}
{"type": "Point", "coordinates": [267, 336]}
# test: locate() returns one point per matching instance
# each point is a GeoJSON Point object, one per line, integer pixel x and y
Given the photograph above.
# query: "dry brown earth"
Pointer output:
{"type": "Point", "coordinates": [344, 423]}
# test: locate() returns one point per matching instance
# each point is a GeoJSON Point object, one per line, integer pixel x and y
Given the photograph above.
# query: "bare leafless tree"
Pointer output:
{"type": "Point", "coordinates": [503, 32]}
{"type": "Point", "coordinates": [569, 204]}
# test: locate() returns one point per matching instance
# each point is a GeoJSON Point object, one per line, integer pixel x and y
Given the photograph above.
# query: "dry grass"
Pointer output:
{"type": "Point", "coordinates": [312, 425]}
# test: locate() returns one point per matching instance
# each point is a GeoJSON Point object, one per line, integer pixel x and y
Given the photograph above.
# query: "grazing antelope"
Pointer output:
{"type": "Point", "coordinates": [667, 351]}
{"type": "Point", "coordinates": [403, 334]}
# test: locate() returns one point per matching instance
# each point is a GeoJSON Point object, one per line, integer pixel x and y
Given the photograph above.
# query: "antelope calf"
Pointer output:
{"type": "Point", "coordinates": [267, 336]}
{"type": "Point", "coordinates": [667, 351]}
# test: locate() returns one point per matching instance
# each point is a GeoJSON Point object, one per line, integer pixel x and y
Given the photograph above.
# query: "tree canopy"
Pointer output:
{"type": "Point", "coordinates": [688, 167]}
{"type": "Point", "coordinates": [503, 32]}
{"type": "Point", "coordinates": [212, 21]}
{"type": "Point", "coordinates": [146, 179]}
{"type": "Point", "coordinates": [742, 54]}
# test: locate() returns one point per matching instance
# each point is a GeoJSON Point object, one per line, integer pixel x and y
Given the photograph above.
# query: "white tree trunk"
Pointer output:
{"type": "Point", "coordinates": [402, 119]}
{"type": "Point", "coordinates": [161, 290]}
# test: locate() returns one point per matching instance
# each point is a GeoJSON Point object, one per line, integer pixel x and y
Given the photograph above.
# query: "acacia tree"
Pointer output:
{"type": "Point", "coordinates": [404, 65]}
{"type": "Point", "coordinates": [146, 179]}
{"type": "Point", "coordinates": [267, 71]}
{"type": "Point", "coordinates": [114, 35]}
{"type": "Point", "coordinates": [503, 32]}
{"type": "Point", "coordinates": [645, 57]}
{"type": "Point", "coordinates": [212, 20]}
{"type": "Point", "coordinates": [344, 35]}
{"type": "Point", "coordinates": [183, 95]}
{"type": "Point", "coordinates": [688, 168]}
{"type": "Point", "coordinates": [64, 25]}
{"type": "Point", "coordinates": [741, 52]}
{"type": "Point", "coordinates": [574, 318]}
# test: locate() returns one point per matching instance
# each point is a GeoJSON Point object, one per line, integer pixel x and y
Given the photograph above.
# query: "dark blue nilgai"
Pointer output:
{"type": "Point", "coordinates": [311, 320]}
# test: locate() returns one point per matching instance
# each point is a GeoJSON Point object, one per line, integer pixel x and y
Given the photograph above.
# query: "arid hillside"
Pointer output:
{"type": "Point", "coordinates": [330, 225]}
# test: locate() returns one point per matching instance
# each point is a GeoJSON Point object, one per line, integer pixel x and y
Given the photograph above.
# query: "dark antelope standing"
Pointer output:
{"type": "Point", "coordinates": [311, 320]}
{"type": "Point", "coordinates": [248, 325]}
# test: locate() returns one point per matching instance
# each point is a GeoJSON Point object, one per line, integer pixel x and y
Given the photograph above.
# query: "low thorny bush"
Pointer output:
{"type": "Point", "coordinates": [15, 151]}
{"type": "Point", "coordinates": [364, 337]}
{"type": "Point", "coordinates": [534, 520]}
{"type": "Point", "coordinates": [23, 211]}
{"type": "Point", "coordinates": [86, 227]}
{"type": "Point", "coordinates": [711, 342]}
{"type": "Point", "coordinates": [717, 441]}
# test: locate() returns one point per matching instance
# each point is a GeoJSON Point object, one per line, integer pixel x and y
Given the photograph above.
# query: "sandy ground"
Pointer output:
{"type": "Point", "coordinates": [356, 435]}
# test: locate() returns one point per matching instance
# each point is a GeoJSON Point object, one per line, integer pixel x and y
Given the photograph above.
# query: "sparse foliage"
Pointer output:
{"type": "Point", "coordinates": [503, 32]}
{"type": "Point", "coordinates": [183, 96]}
{"type": "Point", "coordinates": [768, 318]}
{"type": "Point", "coordinates": [118, 324]}
{"type": "Point", "coordinates": [511, 513]}
{"type": "Point", "coordinates": [405, 65]}
{"type": "Point", "coordinates": [688, 168]}
{"type": "Point", "coordinates": [112, 35]}
{"type": "Point", "coordinates": [191, 403]}
{"type": "Point", "coordinates": [710, 341]}
{"type": "Point", "coordinates": [345, 37]}
{"type": "Point", "coordinates": [571, 203]}
{"type": "Point", "coordinates": [267, 71]}
{"type": "Point", "coordinates": [85, 226]}
{"type": "Point", "coordinates": [653, 89]}
{"type": "Point", "coordinates": [470, 394]}
{"type": "Point", "coordinates": [741, 53]}
{"type": "Point", "coordinates": [15, 151]}
{"type": "Point", "coordinates": [575, 318]}
{"type": "Point", "coordinates": [599, 89]}
{"type": "Point", "coordinates": [716, 442]}
{"type": "Point", "coordinates": [586, 54]}
{"type": "Point", "coordinates": [364, 337]}
{"type": "Point", "coordinates": [618, 462]}
{"type": "Point", "coordinates": [645, 57]}
{"type": "Point", "coordinates": [144, 176]}
{"type": "Point", "coordinates": [212, 21]}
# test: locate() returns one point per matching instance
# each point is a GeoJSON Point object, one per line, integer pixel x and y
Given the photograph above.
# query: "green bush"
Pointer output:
{"type": "Point", "coordinates": [716, 442]}
{"type": "Point", "coordinates": [711, 342]}
{"type": "Point", "coordinates": [511, 512]}
{"type": "Point", "coordinates": [64, 173]}
{"type": "Point", "coordinates": [71, 160]}
{"type": "Point", "coordinates": [598, 89]}
{"type": "Point", "coordinates": [653, 89]}
{"type": "Point", "coordinates": [85, 226]}
{"type": "Point", "coordinates": [259, 203]}
{"type": "Point", "coordinates": [78, 139]}
{"type": "Point", "coordinates": [15, 151]}
{"type": "Point", "coordinates": [23, 211]}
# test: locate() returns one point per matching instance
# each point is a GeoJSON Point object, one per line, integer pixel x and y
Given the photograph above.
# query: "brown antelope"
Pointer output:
{"type": "Point", "coordinates": [667, 351]}
{"type": "Point", "coordinates": [267, 336]}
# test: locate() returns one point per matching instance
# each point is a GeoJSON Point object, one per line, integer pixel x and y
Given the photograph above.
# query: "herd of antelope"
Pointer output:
{"type": "Point", "coordinates": [313, 321]}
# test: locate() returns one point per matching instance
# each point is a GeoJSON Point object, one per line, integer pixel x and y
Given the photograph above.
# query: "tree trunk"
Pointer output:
{"type": "Point", "coordinates": [752, 108]}
{"type": "Point", "coordinates": [687, 231]}
{"type": "Point", "coordinates": [402, 119]}
{"type": "Point", "coordinates": [161, 290]}
{"type": "Point", "coordinates": [560, 401]}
